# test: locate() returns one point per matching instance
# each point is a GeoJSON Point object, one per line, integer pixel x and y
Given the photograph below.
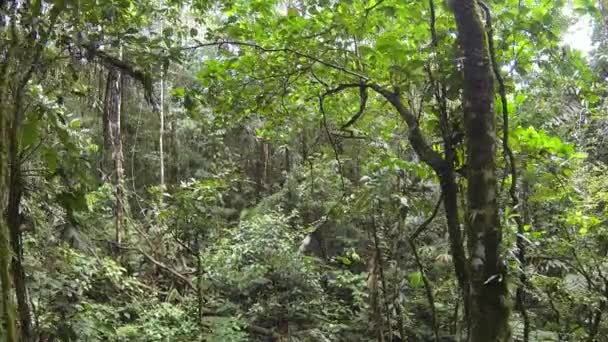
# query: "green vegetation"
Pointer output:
{"type": "Point", "coordinates": [303, 170]}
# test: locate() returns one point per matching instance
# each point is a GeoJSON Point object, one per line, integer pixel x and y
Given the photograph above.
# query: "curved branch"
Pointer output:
{"type": "Point", "coordinates": [428, 221]}
{"type": "Point", "coordinates": [362, 105]}
{"type": "Point", "coordinates": [415, 136]}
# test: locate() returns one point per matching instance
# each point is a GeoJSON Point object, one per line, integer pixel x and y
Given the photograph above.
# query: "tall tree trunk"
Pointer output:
{"type": "Point", "coordinates": [489, 314]}
{"type": "Point", "coordinates": [447, 176]}
{"type": "Point", "coordinates": [106, 158]}
{"type": "Point", "coordinates": [8, 310]}
{"type": "Point", "coordinates": [161, 132]}
{"type": "Point", "coordinates": [113, 108]}
{"type": "Point", "coordinates": [14, 215]}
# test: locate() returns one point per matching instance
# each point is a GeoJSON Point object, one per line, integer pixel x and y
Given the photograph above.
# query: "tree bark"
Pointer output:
{"type": "Point", "coordinates": [112, 115]}
{"type": "Point", "coordinates": [174, 151]}
{"type": "Point", "coordinates": [8, 311]}
{"type": "Point", "coordinates": [489, 314]}
{"type": "Point", "coordinates": [14, 215]}
{"type": "Point", "coordinates": [161, 133]}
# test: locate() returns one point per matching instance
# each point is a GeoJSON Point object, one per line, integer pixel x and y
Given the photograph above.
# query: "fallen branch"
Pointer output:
{"type": "Point", "coordinates": [170, 270]}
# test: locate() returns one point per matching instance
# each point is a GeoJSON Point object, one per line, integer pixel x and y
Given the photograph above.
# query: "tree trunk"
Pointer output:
{"type": "Point", "coordinates": [113, 108]}
{"type": "Point", "coordinates": [106, 158]}
{"type": "Point", "coordinates": [14, 215]}
{"type": "Point", "coordinates": [161, 133]}
{"type": "Point", "coordinates": [8, 311]}
{"type": "Point", "coordinates": [174, 151]}
{"type": "Point", "coordinates": [489, 314]}
{"type": "Point", "coordinates": [449, 190]}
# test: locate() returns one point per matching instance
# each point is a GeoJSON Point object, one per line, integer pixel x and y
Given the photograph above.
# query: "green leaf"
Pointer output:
{"type": "Point", "coordinates": [178, 92]}
{"type": "Point", "coordinates": [415, 279]}
{"type": "Point", "coordinates": [51, 158]}
{"type": "Point", "coordinates": [29, 133]}
{"type": "Point", "coordinates": [344, 260]}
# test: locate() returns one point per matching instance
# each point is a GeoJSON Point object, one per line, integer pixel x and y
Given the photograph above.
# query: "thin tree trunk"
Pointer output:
{"type": "Point", "coordinates": [449, 191]}
{"type": "Point", "coordinates": [489, 314]}
{"type": "Point", "coordinates": [161, 133]}
{"type": "Point", "coordinates": [374, 296]}
{"type": "Point", "coordinates": [199, 276]}
{"type": "Point", "coordinates": [174, 151]}
{"type": "Point", "coordinates": [14, 215]}
{"type": "Point", "coordinates": [106, 158]}
{"type": "Point", "coordinates": [380, 265]}
{"type": "Point", "coordinates": [113, 108]}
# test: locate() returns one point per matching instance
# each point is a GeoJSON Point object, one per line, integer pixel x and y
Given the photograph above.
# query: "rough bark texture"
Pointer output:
{"type": "Point", "coordinates": [489, 311]}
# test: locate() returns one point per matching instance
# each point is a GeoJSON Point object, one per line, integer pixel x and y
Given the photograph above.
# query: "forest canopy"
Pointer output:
{"type": "Point", "coordinates": [303, 170]}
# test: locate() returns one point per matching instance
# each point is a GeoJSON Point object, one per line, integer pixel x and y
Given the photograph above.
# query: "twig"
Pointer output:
{"type": "Point", "coordinates": [371, 8]}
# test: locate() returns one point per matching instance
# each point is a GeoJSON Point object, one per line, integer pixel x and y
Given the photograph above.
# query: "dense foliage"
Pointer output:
{"type": "Point", "coordinates": [310, 170]}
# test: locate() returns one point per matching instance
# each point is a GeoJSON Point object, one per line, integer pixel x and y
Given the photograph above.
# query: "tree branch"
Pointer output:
{"type": "Point", "coordinates": [116, 63]}
{"type": "Point", "coordinates": [170, 270]}
{"type": "Point", "coordinates": [284, 50]}
{"type": "Point", "coordinates": [428, 221]}
{"type": "Point", "coordinates": [415, 136]}
{"type": "Point", "coordinates": [362, 105]}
